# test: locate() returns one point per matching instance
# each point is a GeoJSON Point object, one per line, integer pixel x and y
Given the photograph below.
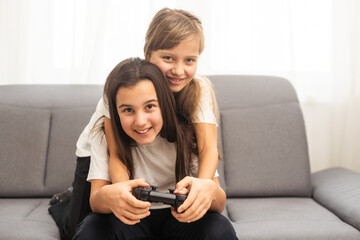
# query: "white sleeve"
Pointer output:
{"type": "Point", "coordinates": [83, 148]}
{"type": "Point", "coordinates": [216, 174]}
{"type": "Point", "coordinates": [205, 112]}
{"type": "Point", "coordinates": [103, 108]}
{"type": "Point", "coordinates": [99, 160]}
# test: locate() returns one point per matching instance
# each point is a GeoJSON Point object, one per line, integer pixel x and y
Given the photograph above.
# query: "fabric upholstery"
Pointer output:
{"type": "Point", "coordinates": [240, 91]}
{"type": "Point", "coordinates": [50, 96]}
{"type": "Point", "coordinates": [338, 190]}
{"type": "Point", "coordinates": [286, 218]}
{"type": "Point", "coordinates": [26, 218]}
{"type": "Point", "coordinates": [23, 148]}
{"type": "Point", "coordinates": [261, 134]}
{"type": "Point", "coordinates": [43, 124]}
{"type": "Point", "coordinates": [221, 163]}
{"type": "Point", "coordinates": [264, 141]}
{"type": "Point", "coordinates": [281, 167]}
{"type": "Point", "coordinates": [61, 153]}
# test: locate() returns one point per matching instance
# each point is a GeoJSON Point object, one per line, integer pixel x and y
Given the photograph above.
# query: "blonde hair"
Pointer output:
{"type": "Point", "coordinates": [169, 28]}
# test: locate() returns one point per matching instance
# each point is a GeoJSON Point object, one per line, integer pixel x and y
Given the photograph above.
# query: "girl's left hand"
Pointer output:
{"type": "Point", "coordinates": [201, 195]}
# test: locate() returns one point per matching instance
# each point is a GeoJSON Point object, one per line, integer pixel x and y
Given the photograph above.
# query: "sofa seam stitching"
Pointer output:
{"type": "Point", "coordinates": [257, 106]}
{"type": "Point", "coordinates": [33, 209]}
{"type": "Point", "coordinates": [47, 151]}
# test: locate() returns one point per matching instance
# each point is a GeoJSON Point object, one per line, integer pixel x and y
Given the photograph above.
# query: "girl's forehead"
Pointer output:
{"type": "Point", "coordinates": [189, 47]}
{"type": "Point", "coordinates": [136, 96]}
{"type": "Point", "coordinates": [140, 85]}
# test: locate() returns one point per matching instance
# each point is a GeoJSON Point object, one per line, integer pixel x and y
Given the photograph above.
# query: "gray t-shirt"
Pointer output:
{"type": "Point", "coordinates": [155, 162]}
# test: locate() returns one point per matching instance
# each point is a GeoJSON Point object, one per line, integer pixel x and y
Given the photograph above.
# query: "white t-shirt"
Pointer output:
{"type": "Point", "coordinates": [206, 111]}
{"type": "Point", "coordinates": [83, 145]}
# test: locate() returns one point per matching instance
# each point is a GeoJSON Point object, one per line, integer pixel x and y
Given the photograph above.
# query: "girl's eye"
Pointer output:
{"type": "Point", "coordinates": [190, 60]}
{"type": "Point", "coordinates": [168, 58]}
{"type": "Point", "coordinates": [150, 106]}
{"type": "Point", "coordinates": [127, 110]}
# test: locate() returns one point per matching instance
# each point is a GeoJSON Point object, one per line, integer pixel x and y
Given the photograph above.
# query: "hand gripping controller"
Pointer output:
{"type": "Point", "coordinates": [151, 195]}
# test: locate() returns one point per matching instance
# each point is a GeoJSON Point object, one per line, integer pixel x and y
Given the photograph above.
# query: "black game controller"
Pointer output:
{"type": "Point", "coordinates": [151, 195]}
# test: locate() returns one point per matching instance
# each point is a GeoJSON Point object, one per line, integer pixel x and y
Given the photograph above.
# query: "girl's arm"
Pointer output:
{"type": "Point", "coordinates": [205, 191]}
{"type": "Point", "coordinates": [206, 136]}
{"type": "Point", "coordinates": [98, 196]}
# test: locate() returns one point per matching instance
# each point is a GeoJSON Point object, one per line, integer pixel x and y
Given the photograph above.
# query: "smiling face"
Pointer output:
{"type": "Point", "coordinates": [139, 111]}
{"type": "Point", "coordinates": [178, 64]}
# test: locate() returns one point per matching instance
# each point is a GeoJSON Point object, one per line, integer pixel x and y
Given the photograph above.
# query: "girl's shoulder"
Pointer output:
{"type": "Point", "coordinates": [102, 107]}
{"type": "Point", "coordinates": [206, 87]}
{"type": "Point", "coordinates": [207, 110]}
{"type": "Point", "coordinates": [203, 81]}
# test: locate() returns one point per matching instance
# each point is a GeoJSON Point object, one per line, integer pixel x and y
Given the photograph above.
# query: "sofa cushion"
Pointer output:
{"type": "Point", "coordinates": [286, 218]}
{"type": "Point", "coordinates": [263, 137]}
{"type": "Point", "coordinates": [50, 96]}
{"type": "Point", "coordinates": [47, 119]}
{"type": "Point", "coordinates": [23, 148]}
{"type": "Point", "coordinates": [266, 152]}
{"type": "Point", "coordinates": [66, 127]}
{"type": "Point", "coordinates": [26, 218]}
{"type": "Point", "coordinates": [338, 189]}
{"type": "Point", "coordinates": [237, 91]}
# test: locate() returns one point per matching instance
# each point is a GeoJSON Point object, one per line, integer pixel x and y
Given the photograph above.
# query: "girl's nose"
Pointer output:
{"type": "Point", "coordinates": [178, 69]}
{"type": "Point", "coordinates": [140, 119]}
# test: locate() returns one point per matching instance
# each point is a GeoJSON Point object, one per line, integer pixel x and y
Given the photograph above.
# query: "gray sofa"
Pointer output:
{"type": "Point", "coordinates": [271, 191]}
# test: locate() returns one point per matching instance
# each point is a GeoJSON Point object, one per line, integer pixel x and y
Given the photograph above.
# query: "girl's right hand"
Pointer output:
{"type": "Point", "coordinates": [124, 205]}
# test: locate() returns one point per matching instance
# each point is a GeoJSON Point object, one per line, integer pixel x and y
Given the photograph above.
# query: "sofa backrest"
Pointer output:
{"type": "Point", "coordinates": [39, 127]}
{"type": "Point", "coordinates": [263, 137]}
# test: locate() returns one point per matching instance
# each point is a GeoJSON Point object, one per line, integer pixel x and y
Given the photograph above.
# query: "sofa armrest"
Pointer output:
{"type": "Point", "coordinates": [338, 190]}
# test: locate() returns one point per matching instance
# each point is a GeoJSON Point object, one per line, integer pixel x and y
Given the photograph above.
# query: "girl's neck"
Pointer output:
{"type": "Point", "coordinates": [155, 142]}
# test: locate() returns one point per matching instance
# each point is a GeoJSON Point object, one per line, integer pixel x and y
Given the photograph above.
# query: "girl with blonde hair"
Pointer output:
{"type": "Point", "coordinates": [154, 149]}
{"type": "Point", "coordinates": [174, 42]}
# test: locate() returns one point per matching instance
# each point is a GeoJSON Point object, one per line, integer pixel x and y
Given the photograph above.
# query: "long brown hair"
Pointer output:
{"type": "Point", "coordinates": [128, 73]}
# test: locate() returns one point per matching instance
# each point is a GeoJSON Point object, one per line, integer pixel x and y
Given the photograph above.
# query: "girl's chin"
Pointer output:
{"type": "Point", "coordinates": [176, 88]}
{"type": "Point", "coordinates": [145, 141]}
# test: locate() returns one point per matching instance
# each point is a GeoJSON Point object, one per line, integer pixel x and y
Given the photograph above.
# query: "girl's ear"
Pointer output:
{"type": "Point", "coordinates": [148, 56]}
